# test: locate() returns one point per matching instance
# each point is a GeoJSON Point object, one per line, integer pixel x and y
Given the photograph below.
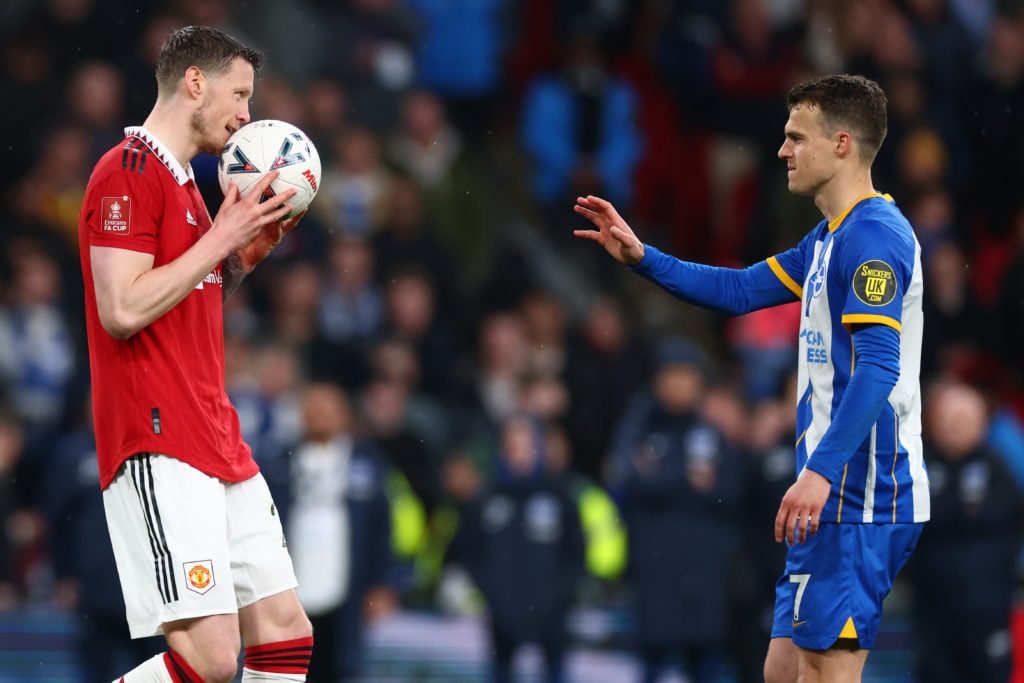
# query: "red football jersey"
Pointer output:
{"type": "Point", "coordinates": [162, 389]}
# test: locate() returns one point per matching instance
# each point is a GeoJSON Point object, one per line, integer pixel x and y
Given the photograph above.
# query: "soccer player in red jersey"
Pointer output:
{"type": "Point", "coordinates": [199, 547]}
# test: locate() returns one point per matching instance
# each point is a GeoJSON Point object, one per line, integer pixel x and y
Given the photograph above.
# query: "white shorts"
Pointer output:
{"type": "Point", "coordinates": [190, 545]}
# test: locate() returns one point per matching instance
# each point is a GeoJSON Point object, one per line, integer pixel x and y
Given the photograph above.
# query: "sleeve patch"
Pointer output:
{"type": "Point", "coordinates": [116, 215]}
{"type": "Point", "coordinates": [874, 283]}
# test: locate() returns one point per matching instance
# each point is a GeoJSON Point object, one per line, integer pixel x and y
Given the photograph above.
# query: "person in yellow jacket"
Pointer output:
{"type": "Point", "coordinates": [605, 537]}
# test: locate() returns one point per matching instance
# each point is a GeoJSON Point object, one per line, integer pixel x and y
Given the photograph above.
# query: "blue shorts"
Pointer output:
{"type": "Point", "coordinates": [836, 581]}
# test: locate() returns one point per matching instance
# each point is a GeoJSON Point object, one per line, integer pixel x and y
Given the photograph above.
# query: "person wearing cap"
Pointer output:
{"type": "Point", "coordinates": [678, 482]}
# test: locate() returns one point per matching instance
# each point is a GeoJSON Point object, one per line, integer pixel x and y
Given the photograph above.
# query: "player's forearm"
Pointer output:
{"type": "Point", "coordinates": [129, 305]}
{"type": "Point", "coordinates": [728, 290]}
{"type": "Point", "coordinates": [233, 272]}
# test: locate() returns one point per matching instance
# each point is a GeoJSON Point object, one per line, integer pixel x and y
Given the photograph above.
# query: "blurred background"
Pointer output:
{"type": "Point", "coordinates": [434, 315]}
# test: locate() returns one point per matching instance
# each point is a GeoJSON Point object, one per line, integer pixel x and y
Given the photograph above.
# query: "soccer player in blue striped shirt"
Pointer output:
{"type": "Point", "coordinates": [856, 510]}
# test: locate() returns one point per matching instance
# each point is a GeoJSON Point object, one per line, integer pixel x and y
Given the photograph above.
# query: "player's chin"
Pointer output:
{"type": "Point", "coordinates": [214, 147]}
{"type": "Point", "coordinates": [216, 142]}
{"type": "Point", "coordinates": [798, 189]}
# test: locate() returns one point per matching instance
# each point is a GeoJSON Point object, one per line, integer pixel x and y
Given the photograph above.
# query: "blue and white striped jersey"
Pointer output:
{"type": "Point", "coordinates": [863, 267]}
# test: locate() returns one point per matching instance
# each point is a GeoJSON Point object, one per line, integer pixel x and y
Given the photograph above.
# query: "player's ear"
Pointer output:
{"type": "Point", "coordinates": [844, 143]}
{"type": "Point", "coordinates": [195, 81]}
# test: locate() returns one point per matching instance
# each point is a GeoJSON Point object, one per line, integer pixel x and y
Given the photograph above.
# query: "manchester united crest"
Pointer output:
{"type": "Point", "coordinates": [199, 576]}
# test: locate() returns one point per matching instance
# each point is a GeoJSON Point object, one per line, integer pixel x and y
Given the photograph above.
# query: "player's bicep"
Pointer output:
{"type": "Point", "coordinates": [114, 271]}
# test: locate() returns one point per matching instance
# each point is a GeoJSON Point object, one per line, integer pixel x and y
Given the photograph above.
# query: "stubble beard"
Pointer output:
{"type": "Point", "coordinates": [199, 128]}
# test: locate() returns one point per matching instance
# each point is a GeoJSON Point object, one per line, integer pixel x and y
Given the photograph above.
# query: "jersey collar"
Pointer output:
{"type": "Point", "coordinates": [838, 220]}
{"type": "Point", "coordinates": [182, 175]}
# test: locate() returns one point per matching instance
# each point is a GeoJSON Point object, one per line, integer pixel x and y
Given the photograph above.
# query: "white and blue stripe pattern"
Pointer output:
{"type": "Point", "coordinates": [885, 479]}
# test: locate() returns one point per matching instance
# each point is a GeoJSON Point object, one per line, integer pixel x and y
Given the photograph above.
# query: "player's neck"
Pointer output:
{"type": "Point", "coordinates": [171, 126]}
{"type": "Point", "coordinates": [842, 192]}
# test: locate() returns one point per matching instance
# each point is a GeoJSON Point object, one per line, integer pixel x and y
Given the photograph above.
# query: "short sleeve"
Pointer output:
{"type": "Point", "coordinates": [123, 210]}
{"type": "Point", "coordinates": [875, 268]}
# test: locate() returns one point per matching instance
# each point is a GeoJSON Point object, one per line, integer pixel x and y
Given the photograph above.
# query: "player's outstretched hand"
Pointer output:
{"type": "Point", "coordinates": [241, 220]}
{"type": "Point", "coordinates": [613, 233]}
{"type": "Point", "coordinates": [800, 510]}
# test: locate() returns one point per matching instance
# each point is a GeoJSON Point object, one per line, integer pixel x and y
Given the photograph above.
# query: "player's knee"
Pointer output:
{"type": "Point", "coordinates": [298, 627]}
{"type": "Point", "coordinates": [304, 627]}
{"type": "Point", "coordinates": [294, 623]}
{"type": "Point", "coordinates": [217, 667]}
{"type": "Point", "coordinates": [776, 674]}
{"type": "Point", "coordinates": [779, 669]}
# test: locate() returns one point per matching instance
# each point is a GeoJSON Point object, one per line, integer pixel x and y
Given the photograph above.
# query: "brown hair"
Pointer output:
{"type": "Point", "coordinates": [847, 101]}
{"type": "Point", "coordinates": [207, 48]}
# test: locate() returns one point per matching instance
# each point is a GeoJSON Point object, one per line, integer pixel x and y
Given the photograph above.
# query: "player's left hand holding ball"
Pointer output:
{"type": "Point", "coordinates": [282, 151]}
{"type": "Point", "coordinates": [270, 236]}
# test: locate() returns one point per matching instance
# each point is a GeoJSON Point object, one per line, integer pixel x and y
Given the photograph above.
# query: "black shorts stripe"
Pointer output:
{"type": "Point", "coordinates": [160, 527]}
{"type": "Point", "coordinates": [140, 468]}
{"type": "Point", "coordinates": [133, 468]}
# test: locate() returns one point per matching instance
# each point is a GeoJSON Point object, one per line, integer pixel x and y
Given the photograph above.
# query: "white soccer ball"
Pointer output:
{"type": "Point", "coordinates": [259, 147]}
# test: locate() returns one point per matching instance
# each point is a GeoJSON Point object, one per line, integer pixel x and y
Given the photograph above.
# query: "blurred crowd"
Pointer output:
{"type": "Point", "coordinates": [460, 408]}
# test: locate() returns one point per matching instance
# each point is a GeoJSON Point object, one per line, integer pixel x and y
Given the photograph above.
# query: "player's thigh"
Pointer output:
{"type": "Point", "coordinates": [264, 579]}
{"type": "Point", "coordinates": [168, 529]}
{"type": "Point", "coordinates": [788, 663]}
{"type": "Point", "coordinates": [843, 663]}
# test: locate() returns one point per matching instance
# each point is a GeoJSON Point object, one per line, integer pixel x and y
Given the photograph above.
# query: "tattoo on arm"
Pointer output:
{"type": "Point", "coordinates": [232, 274]}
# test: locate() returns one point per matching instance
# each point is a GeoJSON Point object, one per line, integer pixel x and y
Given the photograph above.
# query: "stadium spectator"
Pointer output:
{"type": "Point", "coordinates": [411, 314]}
{"type": "Point", "coordinates": [608, 362]}
{"type": "Point", "coordinates": [268, 407]}
{"type": "Point", "coordinates": [368, 46]}
{"type": "Point", "coordinates": [355, 183]}
{"type": "Point", "coordinates": [759, 561]}
{"type": "Point", "coordinates": [961, 621]}
{"type": "Point", "coordinates": [351, 306]}
{"type": "Point", "coordinates": [522, 543]}
{"type": "Point", "coordinates": [21, 527]}
{"type": "Point", "coordinates": [385, 410]}
{"type": "Point", "coordinates": [578, 127]}
{"type": "Point", "coordinates": [488, 377]}
{"type": "Point", "coordinates": [676, 477]}
{"type": "Point", "coordinates": [408, 236]}
{"type": "Point", "coordinates": [40, 360]}
{"type": "Point", "coordinates": [459, 52]}
{"type": "Point", "coordinates": [954, 318]}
